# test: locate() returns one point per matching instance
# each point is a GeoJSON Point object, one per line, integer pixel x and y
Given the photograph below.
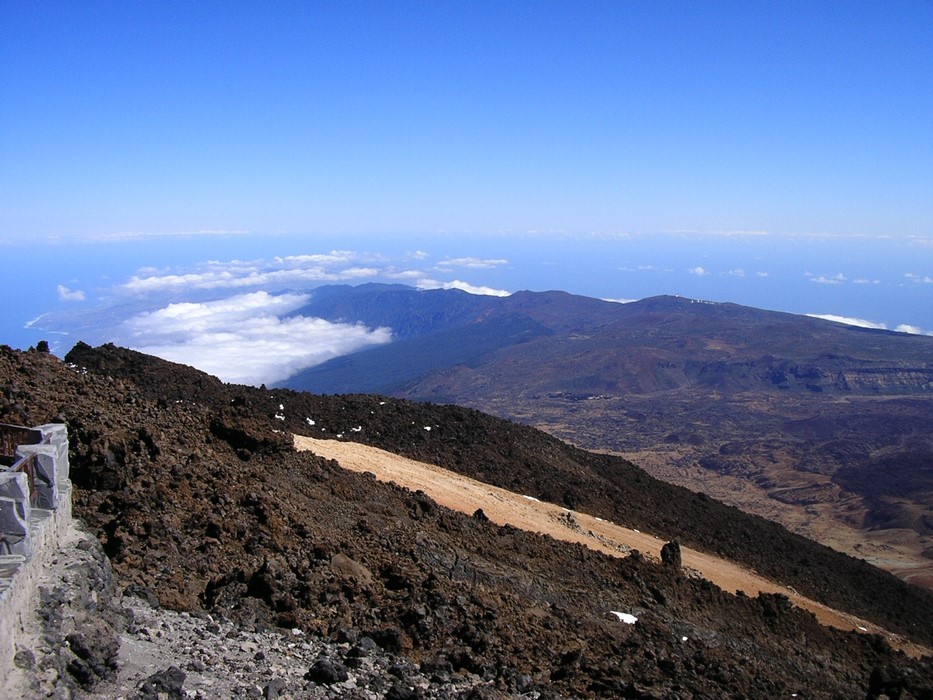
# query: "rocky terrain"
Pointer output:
{"type": "Point", "coordinates": [201, 504]}
{"type": "Point", "coordinates": [90, 640]}
{"type": "Point", "coordinates": [817, 425]}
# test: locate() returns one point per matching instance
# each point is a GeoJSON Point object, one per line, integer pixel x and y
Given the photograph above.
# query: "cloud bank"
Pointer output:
{"type": "Point", "coordinates": [849, 321]}
{"type": "Point", "coordinates": [463, 287]}
{"type": "Point", "coordinates": [247, 338]}
{"type": "Point", "coordinates": [862, 323]}
{"type": "Point", "coordinates": [310, 270]}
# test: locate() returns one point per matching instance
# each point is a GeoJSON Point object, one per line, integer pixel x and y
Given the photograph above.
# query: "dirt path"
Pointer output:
{"type": "Point", "coordinates": [502, 507]}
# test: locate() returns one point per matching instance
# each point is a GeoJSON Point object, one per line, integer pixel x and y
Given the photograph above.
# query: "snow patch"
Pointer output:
{"type": "Point", "coordinates": [625, 617]}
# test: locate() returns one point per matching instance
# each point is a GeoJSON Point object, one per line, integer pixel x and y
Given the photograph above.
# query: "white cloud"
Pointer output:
{"type": "Point", "coordinates": [620, 301]}
{"type": "Point", "coordinates": [698, 271]}
{"type": "Point", "coordinates": [294, 270]}
{"type": "Point", "coordinates": [863, 280]}
{"type": "Point", "coordinates": [914, 330]}
{"type": "Point", "coordinates": [919, 279]}
{"type": "Point", "coordinates": [737, 272]}
{"type": "Point", "coordinates": [472, 263]}
{"type": "Point", "coordinates": [405, 274]}
{"type": "Point", "coordinates": [246, 339]}
{"type": "Point", "coordinates": [65, 294]}
{"type": "Point", "coordinates": [355, 273]}
{"type": "Point", "coordinates": [335, 256]}
{"type": "Point", "coordinates": [428, 283]}
{"type": "Point", "coordinates": [861, 323]}
{"type": "Point", "coordinates": [838, 278]}
{"type": "Point", "coordinates": [473, 289]}
{"type": "Point", "coordinates": [762, 274]}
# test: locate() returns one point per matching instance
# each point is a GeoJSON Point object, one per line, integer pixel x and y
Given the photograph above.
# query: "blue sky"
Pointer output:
{"type": "Point", "coordinates": [774, 154]}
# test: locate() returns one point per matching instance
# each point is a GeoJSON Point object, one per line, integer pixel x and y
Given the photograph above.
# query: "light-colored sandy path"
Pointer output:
{"type": "Point", "coordinates": [502, 507]}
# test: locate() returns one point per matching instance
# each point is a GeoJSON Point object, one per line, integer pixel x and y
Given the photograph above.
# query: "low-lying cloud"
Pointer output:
{"type": "Point", "coordinates": [849, 321]}
{"type": "Point", "coordinates": [862, 323]}
{"type": "Point", "coordinates": [247, 338]}
{"type": "Point", "coordinates": [300, 270]}
{"type": "Point", "coordinates": [306, 271]}
{"type": "Point", "coordinates": [236, 318]}
{"type": "Point", "coordinates": [464, 287]}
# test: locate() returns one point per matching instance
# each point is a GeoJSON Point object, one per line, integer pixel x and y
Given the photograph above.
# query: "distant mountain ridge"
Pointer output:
{"type": "Point", "coordinates": [646, 346]}
{"type": "Point", "coordinates": [819, 425]}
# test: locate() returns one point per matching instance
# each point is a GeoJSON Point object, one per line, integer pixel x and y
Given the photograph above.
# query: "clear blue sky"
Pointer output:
{"type": "Point", "coordinates": [465, 117]}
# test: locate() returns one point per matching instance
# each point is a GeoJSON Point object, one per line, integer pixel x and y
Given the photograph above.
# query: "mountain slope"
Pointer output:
{"type": "Point", "coordinates": [652, 345]}
{"type": "Point", "coordinates": [802, 420]}
{"type": "Point", "coordinates": [197, 496]}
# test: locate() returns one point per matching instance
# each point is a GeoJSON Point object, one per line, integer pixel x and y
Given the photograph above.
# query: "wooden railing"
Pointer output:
{"type": "Point", "coordinates": [11, 437]}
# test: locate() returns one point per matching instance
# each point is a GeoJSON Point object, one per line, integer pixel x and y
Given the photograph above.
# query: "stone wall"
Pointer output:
{"type": "Point", "coordinates": [35, 511]}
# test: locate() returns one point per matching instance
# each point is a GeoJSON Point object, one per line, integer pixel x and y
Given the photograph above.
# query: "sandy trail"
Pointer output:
{"type": "Point", "coordinates": [502, 507]}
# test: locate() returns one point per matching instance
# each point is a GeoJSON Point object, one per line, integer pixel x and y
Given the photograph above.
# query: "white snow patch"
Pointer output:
{"type": "Point", "coordinates": [532, 498]}
{"type": "Point", "coordinates": [279, 416]}
{"type": "Point", "coordinates": [428, 428]}
{"type": "Point", "coordinates": [357, 429]}
{"type": "Point", "coordinates": [310, 422]}
{"type": "Point", "coordinates": [625, 617]}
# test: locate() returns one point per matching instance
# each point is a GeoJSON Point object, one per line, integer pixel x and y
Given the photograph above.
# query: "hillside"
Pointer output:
{"type": "Point", "coordinates": [198, 497]}
{"type": "Point", "coordinates": [817, 425]}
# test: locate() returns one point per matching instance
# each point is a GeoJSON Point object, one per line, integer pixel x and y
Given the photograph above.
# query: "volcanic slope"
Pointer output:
{"type": "Point", "coordinates": [820, 426]}
{"type": "Point", "coordinates": [199, 500]}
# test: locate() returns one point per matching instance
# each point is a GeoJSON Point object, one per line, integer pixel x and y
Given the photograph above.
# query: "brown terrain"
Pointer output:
{"type": "Point", "coordinates": [503, 507]}
{"type": "Point", "coordinates": [822, 427]}
{"type": "Point", "coordinates": [777, 459]}
{"type": "Point", "coordinates": [200, 501]}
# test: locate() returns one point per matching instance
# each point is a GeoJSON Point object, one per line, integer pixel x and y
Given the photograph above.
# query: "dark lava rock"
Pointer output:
{"type": "Point", "coordinates": [327, 672]}
{"type": "Point", "coordinates": [163, 685]}
{"type": "Point", "coordinates": [96, 647]}
{"type": "Point", "coordinates": [670, 555]}
{"type": "Point", "coordinates": [273, 689]}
